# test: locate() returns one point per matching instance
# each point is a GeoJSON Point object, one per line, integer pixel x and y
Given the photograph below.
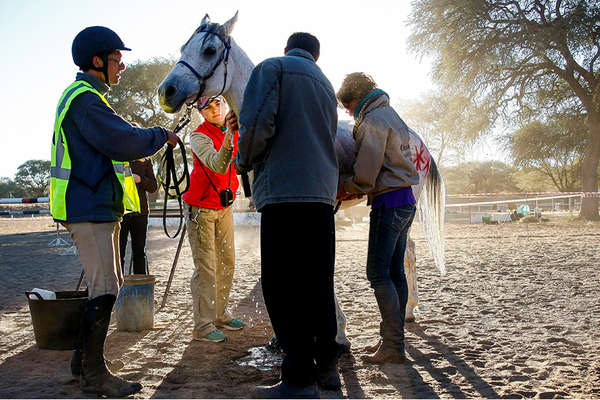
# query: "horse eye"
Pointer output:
{"type": "Point", "coordinates": [209, 51]}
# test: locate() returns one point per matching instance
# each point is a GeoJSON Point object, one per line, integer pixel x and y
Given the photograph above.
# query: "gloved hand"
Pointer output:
{"type": "Point", "coordinates": [172, 138]}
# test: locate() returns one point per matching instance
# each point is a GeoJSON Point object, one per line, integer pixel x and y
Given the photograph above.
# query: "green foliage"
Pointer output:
{"type": "Point", "coordinates": [554, 148]}
{"type": "Point", "coordinates": [479, 177]}
{"type": "Point", "coordinates": [8, 188]}
{"type": "Point", "coordinates": [442, 121]}
{"type": "Point", "coordinates": [135, 99]}
{"type": "Point", "coordinates": [511, 53]}
{"type": "Point", "coordinates": [522, 60]}
{"type": "Point", "coordinates": [33, 177]}
{"type": "Point", "coordinates": [532, 180]}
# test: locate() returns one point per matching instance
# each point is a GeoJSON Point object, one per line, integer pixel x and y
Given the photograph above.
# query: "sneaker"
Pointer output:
{"type": "Point", "coordinates": [215, 336]}
{"type": "Point", "coordinates": [233, 325]}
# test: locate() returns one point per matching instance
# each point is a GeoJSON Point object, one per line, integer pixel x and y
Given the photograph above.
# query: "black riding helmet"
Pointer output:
{"type": "Point", "coordinates": [95, 41]}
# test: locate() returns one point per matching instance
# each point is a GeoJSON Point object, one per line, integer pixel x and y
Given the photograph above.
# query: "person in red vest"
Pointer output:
{"type": "Point", "coordinates": [213, 184]}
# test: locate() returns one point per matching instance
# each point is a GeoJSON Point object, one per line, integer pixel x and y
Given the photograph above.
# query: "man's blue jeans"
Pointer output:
{"type": "Point", "coordinates": [388, 233]}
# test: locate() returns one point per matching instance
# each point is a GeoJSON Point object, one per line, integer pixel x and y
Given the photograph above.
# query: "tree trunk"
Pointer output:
{"type": "Point", "coordinates": [589, 171]}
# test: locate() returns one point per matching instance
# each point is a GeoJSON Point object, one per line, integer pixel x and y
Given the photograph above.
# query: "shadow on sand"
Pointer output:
{"type": "Point", "coordinates": [37, 265]}
{"type": "Point", "coordinates": [483, 388]}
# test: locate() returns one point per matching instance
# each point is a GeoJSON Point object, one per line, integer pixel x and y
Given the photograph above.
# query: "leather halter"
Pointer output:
{"type": "Point", "coordinates": [223, 59]}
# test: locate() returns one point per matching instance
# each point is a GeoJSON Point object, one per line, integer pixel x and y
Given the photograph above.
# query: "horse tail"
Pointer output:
{"type": "Point", "coordinates": [431, 208]}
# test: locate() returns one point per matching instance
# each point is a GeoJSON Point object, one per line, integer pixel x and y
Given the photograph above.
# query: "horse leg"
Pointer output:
{"type": "Point", "coordinates": [340, 337]}
{"type": "Point", "coordinates": [410, 269]}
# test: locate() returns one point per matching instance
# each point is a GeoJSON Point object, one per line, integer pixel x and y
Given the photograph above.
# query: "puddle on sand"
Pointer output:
{"type": "Point", "coordinates": [261, 358]}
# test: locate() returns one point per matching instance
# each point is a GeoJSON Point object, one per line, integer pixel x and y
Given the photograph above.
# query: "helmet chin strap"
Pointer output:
{"type": "Point", "coordinates": [104, 68]}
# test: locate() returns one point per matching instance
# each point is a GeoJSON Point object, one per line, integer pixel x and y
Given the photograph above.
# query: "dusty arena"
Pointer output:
{"type": "Point", "coordinates": [517, 315]}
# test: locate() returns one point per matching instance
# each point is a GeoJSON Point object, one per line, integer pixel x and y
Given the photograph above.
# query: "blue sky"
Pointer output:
{"type": "Point", "coordinates": [37, 35]}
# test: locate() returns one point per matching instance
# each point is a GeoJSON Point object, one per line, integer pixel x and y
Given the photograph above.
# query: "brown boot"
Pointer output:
{"type": "Point", "coordinates": [95, 376]}
{"type": "Point", "coordinates": [284, 390]}
{"type": "Point", "coordinates": [382, 356]}
{"type": "Point", "coordinates": [372, 348]}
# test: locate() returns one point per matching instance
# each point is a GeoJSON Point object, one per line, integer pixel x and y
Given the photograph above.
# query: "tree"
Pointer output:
{"type": "Point", "coordinates": [441, 121]}
{"type": "Point", "coordinates": [555, 149]}
{"type": "Point", "coordinates": [532, 180]}
{"type": "Point", "coordinates": [519, 59]}
{"type": "Point", "coordinates": [135, 99]}
{"type": "Point", "coordinates": [479, 177]}
{"type": "Point", "coordinates": [34, 177]}
{"type": "Point", "coordinates": [8, 188]}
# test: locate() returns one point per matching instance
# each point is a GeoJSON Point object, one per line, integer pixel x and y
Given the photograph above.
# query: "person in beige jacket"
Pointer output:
{"type": "Point", "coordinates": [213, 184]}
{"type": "Point", "coordinates": [383, 169]}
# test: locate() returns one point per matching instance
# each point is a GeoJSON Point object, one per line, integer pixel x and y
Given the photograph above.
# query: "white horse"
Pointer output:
{"type": "Point", "coordinates": [213, 64]}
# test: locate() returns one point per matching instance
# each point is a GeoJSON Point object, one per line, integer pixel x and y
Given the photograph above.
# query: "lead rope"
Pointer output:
{"type": "Point", "coordinates": [167, 175]}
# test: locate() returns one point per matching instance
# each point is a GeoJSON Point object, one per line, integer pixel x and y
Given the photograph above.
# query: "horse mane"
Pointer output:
{"type": "Point", "coordinates": [211, 27]}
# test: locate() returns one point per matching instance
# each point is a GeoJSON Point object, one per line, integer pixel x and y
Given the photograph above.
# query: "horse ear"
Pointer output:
{"type": "Point", "coordinates": [228, 26]}
{"type": "Point", "coordinates": [205, 20]}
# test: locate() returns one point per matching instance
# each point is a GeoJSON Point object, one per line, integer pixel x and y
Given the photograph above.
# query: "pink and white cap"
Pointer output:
{"type": "Point", "coordinates": [203, 101]}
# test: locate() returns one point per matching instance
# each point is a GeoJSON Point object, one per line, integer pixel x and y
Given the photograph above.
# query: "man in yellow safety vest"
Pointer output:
{"type": "Point", "coordinates": [91, 187]}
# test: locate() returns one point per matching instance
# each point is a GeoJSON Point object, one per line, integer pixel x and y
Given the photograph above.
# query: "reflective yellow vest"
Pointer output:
{"type": "Point", "coordinates": [60, 165]}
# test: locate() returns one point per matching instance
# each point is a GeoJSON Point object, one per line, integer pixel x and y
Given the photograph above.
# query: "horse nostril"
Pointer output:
{"type": "Point", "coordinates": [170, 92]}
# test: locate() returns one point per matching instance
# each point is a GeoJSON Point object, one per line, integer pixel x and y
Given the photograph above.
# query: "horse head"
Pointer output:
{"type": "Point", "coordinates": [202, 67]}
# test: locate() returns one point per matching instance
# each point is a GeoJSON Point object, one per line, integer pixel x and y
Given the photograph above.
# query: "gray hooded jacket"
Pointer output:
{"type": "Point", "coordinates": [288, 124]}
{"type": "Point", "coordinates": [382, 149]}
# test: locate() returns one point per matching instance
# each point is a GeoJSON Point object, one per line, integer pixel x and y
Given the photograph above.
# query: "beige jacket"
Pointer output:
{"type": "Point", "coordinates": [383, 159]}
{"type": "Point", "coordinates": [204, 148]}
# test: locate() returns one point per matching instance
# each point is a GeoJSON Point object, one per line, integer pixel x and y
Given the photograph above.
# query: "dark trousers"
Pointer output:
{"type": "Point", "coordinates": [297, 264]}
{"type": "Point", "coordinates": [388, 233]}
{"type": "Point", "coordinates": [135, 225]}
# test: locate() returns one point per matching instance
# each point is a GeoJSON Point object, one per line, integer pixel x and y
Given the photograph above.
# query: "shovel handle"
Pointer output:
{"type": "Point", "coordinates": [80, 279]}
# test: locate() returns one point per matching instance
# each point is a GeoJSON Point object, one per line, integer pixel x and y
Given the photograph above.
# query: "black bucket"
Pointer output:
{"type": "Point", "coordinates": [56, 323]}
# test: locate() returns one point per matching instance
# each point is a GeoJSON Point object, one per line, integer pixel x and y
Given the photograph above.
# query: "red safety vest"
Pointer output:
{"type": "Point", "coordinates": [201, 193]}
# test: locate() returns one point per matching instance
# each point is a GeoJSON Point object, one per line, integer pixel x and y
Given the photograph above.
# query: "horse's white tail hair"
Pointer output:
{"type": "Point", "coordinates": [431, 207]}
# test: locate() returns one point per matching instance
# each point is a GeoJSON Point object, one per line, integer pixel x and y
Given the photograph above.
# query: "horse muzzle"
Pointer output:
{"type": "Point", "coordinates": [173, 93]}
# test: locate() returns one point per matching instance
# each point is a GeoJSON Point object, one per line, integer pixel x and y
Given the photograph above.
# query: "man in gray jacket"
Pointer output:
{"type": "Point", "coordinates": [288, 125]}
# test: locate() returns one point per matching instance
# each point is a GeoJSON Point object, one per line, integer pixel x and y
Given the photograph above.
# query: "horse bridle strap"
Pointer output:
{"type": "Point", "coordinates": [223, 59]}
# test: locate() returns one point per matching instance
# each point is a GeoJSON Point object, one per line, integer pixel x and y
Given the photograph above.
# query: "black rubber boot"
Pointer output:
{"type": "Point", "coordinates": [95, 377]}
{"type": "Point", "coordinates": [328, 376]}
{"type": "Point", "coordinates": [112, 365]}
{"type": "Point", "coordinates": [76, 357]}
{"type": "Point", "coordinates": [343, 349]}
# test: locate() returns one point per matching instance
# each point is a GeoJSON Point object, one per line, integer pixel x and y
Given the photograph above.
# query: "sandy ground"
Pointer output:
{"type": "Point", "coordinates": [517, 315]}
